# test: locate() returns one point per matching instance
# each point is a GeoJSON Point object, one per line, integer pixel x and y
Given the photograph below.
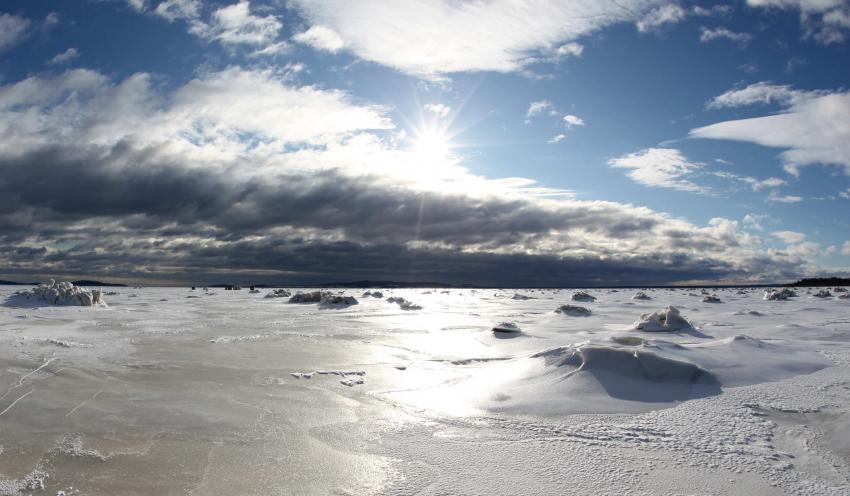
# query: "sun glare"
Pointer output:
{"type": "Point", "coordinates": [432, 144]}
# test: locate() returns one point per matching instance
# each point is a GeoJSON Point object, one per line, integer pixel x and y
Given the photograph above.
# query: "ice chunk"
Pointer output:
{"type": "Point", "coordinates": [60, 294]}
{"type": "Point", "coordinates": [573, 310]}
{"type": "Point", "coordinates": [669, 320]}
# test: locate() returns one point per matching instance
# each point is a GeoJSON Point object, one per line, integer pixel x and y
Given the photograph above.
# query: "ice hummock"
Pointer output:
{"type": "Point", "coordinates": [507, 327]}
{"type": "Point", "coordinates": [669, 320]}
{"type": "Point", "coordinates": [573, 310]}
{"type": "Point", "coordinates": [403, 304]}
{"type": "Point", "coordinates": [324, 298]}
{"type": "Point", "coordinates": [59, 294]}
{"type": "Point", "coordinates": [779, 294]}
{"type": "Point", "coordinates": [278, 293]}
{"type": "Point", "coordinates": [640, 295]}
{"type": "Point", "coordinates": [582, 296]}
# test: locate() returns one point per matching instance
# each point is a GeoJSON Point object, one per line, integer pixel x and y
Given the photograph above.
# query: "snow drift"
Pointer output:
{"type": "Point", "coordinates": [59, 294]}
{"type": "Point", "coordinates": [669, 320]}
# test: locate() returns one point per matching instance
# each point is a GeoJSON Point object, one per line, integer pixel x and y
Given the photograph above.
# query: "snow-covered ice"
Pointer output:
{"type": "Point", "coordinates": [238, 394]}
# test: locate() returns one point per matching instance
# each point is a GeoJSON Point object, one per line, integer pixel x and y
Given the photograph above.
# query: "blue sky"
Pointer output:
{"type": "Point", "coordinates": [725, 125]}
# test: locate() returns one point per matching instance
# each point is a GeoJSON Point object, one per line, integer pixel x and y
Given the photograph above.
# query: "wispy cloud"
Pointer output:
{"type": "Point", "coordinates": [660, 168]}
{"type": "Point", "coordinates": [12, 30]}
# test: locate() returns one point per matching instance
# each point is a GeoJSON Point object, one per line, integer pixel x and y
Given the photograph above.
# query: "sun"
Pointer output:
{"type": "Point", "coordinates": [432, 143]}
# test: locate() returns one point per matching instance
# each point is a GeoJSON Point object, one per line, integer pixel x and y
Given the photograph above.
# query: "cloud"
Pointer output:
{"type": "Point", "coordinates": [826, 21]}
{"type": "Point", "coordinates": [760, 94]}
{"type": "Point", "coordinates": [12, 30]}
{"type": "Point", "coordinates": [172, 10]}
{"type": "Point", "coordinates": [665, 14]}
{"type": "Point", "coordinates": [241, 173]}
{"type": "Point", "coordinates": [707, 35]}
{"type": "Point", "coordinates": [435, 37]}
{"type": "Point", "coordinates": [755, 221]}
{"type": "Point", "coordinates": [673, 13]}
{"type": "Point", "coordinates": [790, 237]}
{"type": "Point", "coordinates": [845, 248]}
{"type": "Point", "coordinates": [538, 107]}
{"type": "Point", "coordinates": [66, 56]}
{"type": "Point", "coordinates": [234, 25]}
{"type": "Point", "coordinates": [557, 138]}
{"type": "Point", "coordinates": [660, 168]}
{"type": "Point", "coordinates": [812, 129]}
{"type": "Point", "coordinates": [571, 49]}
{"type": "Point", "coordinates": [754, 183]}
{"type": "Point", "coordinates": [438, 109]}
{"type": "Point", "coordinates": [321, 38]}
{"type": "Point", "coordinates": [572, 120]}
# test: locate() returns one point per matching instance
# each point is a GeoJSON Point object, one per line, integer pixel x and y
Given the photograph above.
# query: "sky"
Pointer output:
{"type": "Point", "coordinates": [485, 142]}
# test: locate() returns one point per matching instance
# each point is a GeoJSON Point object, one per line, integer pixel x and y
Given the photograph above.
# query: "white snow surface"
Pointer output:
{"type": "Point", "coordinates": [231, 393]}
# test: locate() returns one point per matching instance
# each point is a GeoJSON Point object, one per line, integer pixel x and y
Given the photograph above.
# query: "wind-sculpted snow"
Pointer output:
{"type": "Point", "coordinates": [573, 310]}
{"type": "Point", "coordinates": [60, 294]}
{"type": "Point", "coordinates": [238, 394]}
{"type": "Point", "coordinates": [669, 320]}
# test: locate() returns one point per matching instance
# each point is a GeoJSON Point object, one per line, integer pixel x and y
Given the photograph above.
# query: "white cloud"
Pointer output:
{"type": "Point", "coordinates": [572, 120]}
{"type": "Point", "coordinates": [535, 108]}
{"type": "Point", "coordinates": [754, 183]}
{"type": "Point", "coordinates": [138, 5]}
{"type": "Point", "coordinates": [571, 49]}
{"type": "Point", "coordinates": [760, 93]}
{"type": "Point", "coordinates": [434, 37]}
{"type": "Point", "coordinates": [777, 198]}
{"type": "Point", "coordinates": [666, 14]}
{"type": "Point", "coordinates": [12, 30]}
{"type": "Point", "coordinates": [173, 10]}
{"type": "Point", "coordinates": [660, 168]}
{"type": "Point", "coordinates": [755, 221]}
{"type": "Point", "coordinates": [66, 56]}
{"type": "Point", "coordinates": [845, 248]}
{"type": "Point", "coordinates": [707, 35]}
{"type": "Point", "coordinates": [790, 237]}
{"type": "Point", "coordinates": [845, 194]}
{"type": "Point", "coordinates": [438, 109]}
{"type": "Point", "coordinates": [557, 138]}
{"type": "Point", "coordinates": [827, 21]}
{"type": "Point", "coordinates": [813, 129]}
{"type": "Point", "coordinates": [321, 38]}
{"type": "Point", "coordinates": [235, 25]}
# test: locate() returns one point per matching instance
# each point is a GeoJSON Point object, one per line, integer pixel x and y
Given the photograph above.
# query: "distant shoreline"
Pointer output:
{"type": "Point", "coordinates": [809, 282]}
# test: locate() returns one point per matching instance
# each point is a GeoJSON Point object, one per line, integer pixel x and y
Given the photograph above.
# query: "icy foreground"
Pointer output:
{"type": "Point", "coordinates": [236, 393]}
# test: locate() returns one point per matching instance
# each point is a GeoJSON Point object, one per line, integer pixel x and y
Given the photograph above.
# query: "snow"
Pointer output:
{"type": "Point", "coordinates": [238, 394]}
{"type": "Point", "coordinates": [507, 327]}
{"type": "Point", "coordinates": [582, 296]}
{"type": "Point", "coordinates": [669, 320]}
{"type": "Point", "coordinates": [57, 293]}
{"type": "Point", "coordinates": [278, 293]}
{"type": "Point", "coordinates": [403, 304]}
{"type": "Point", "coordinates": [573, 310]}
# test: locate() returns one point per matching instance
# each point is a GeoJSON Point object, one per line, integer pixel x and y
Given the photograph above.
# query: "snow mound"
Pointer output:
{"type": "Point", "coordinates": [278, 293]}
{"type": "Point", "coordinates": [634, 364]}
{"type": "Point", "coordinates": [823, 293]}
{"type": "Point", "coordinates": [373, 294]}
{"type": "Point", "coordinates": [59, 294]}
{"type": "Point", "coordinates": [779, 294]}
{"type": "Point", "coordinates": [640, 295]}
{"type": "Point", "coordinates": [844, 296]}
{"type": "Point", "coordinates": [711, 299]}
{"type": "Point", "coordinates": [403, 304]}
{"type": "Point", "coordinates": [669, 320]}
{"type": "Point", "coordinates": [582, 296]}
{"type": "Point", "coordinates": [509, 327]}
{"type": "Point", "coordinates": [521, 297]}
{"type": "Point", "coordinates": [573, 310]}
{"type": "Point", "coordinates": [324, 298]}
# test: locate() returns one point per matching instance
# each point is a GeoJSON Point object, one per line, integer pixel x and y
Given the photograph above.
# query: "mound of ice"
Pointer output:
{"type": "Point", "coordinates": [60, 294]}
{"type": "Point", "coordinates": [324, 298]}
{"type": "Point", "coordinates": [669, 320]}
{"type": "Point", "coordinates": [844, 296]}
{"type": "Point", "coordinates": [711, 299]}
{"type": "Point", "coordinates": [403, 304]}
{"type": "Point", "coordinates": [823, 293]}
{"type": "Point", "coordinates": [373, 294]}
{"type": "Point", "coordinates": [509, 327]}
{"type": "Point", "coordinates": [779, 294]}
{"type": "Point", "coordinates": [278, 293]}
{"type": "Point", "coordinates": [582, 296]}
{"type": "Point", "coordinates": [635, 364]}
{"type": "Point", "coordinates": [640, 295]}
{"type": "Point", "coordinates": [573, 310]}
{"type": "Point", "coordinates": [839, 290]}
{"type": "Point", "coordinates": [521, 297]}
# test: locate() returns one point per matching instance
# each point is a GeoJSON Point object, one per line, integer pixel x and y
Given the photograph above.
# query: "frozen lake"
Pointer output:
{"type": "Point", "coordinates": [169, 391]}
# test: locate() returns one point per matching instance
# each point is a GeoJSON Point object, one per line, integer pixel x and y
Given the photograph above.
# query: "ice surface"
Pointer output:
{"type": "Point", "coordinates": [237, 394]}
